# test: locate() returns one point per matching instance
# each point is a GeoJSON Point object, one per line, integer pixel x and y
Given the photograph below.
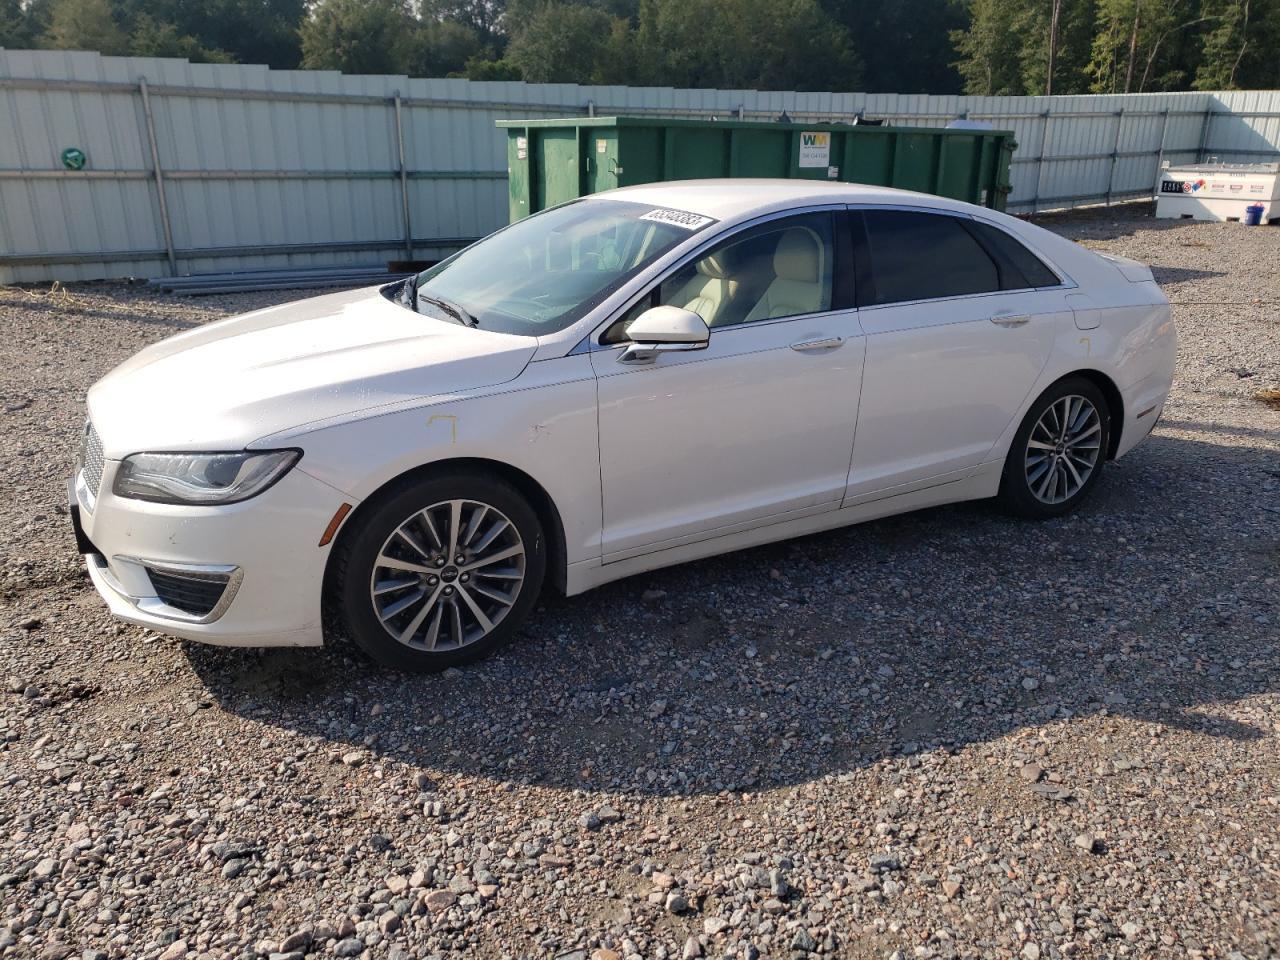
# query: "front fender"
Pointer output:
{"type": "Point", "coordinates": [543, 423]}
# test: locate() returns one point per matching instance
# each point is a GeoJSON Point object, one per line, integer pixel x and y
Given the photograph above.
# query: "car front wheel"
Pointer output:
{"type": "Point", "coordinates": [1058, 452]}
{"type": "Point", "coordinates": [440, 572]}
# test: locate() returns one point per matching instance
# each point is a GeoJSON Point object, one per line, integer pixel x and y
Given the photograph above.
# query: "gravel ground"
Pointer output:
{"type": "Point", "coordinates": [949, 734]}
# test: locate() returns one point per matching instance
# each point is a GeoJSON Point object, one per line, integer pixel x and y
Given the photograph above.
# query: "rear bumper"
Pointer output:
{"type": "Point", "coordinates": [1143, 406]}
{"type": "Point", "coordinates": [263, 552]}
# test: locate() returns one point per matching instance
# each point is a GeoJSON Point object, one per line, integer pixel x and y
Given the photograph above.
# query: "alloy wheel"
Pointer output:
{"type": "Point", "coordinates": [1063, 449]}
{"type": "Point", "coordinates": [448, 575]}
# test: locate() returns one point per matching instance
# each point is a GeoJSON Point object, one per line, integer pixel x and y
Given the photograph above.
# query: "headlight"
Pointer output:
{"type": "Point", "coordinates": [201, 478]}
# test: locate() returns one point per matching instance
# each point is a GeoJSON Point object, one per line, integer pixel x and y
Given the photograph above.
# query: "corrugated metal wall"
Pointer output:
{"type": "Point", "coordinates": [273, 168]}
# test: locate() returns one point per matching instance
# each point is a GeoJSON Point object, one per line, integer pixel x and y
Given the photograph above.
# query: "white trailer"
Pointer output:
{"type": "Point", "coordinates": [1218, 191]}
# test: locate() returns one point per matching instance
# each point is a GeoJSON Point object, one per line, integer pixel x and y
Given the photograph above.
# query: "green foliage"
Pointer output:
{"type": "Point", "coordinates": [357, 36]}
{"type": "Point", "coordinates": [990, 49]}
{"type": "Point", "coordinates": [1240, 50]}
{"type": "Point", "coordinates": [152, 39]}
{"type": "Point", "coordinates": [561, 43]}
{"type": "Point", "coordinates": [901, 46]}
{"type": "Point", "coordinates": [905, 45]}
{"type": "Point", "coordinates": [85, 25]}
{"type": "Point", "coordinates": [479, 68]}
{"type": "Point", "coordinates": [15, 26]}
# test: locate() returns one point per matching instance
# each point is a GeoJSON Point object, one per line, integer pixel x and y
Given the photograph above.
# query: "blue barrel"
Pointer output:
{"type": "Point", "coordinates": [1253, 214]}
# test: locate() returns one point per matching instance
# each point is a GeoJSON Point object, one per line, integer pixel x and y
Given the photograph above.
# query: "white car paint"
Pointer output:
{"type": "Point", "coordinates": [697, 454]}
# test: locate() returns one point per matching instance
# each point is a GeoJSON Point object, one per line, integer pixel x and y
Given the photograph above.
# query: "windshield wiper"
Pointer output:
{"type": "Point", "coordinates": [448, 306]}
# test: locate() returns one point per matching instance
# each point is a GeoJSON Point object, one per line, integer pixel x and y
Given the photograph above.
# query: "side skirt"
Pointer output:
{"type": "Point", "coordinates": [983, 483]}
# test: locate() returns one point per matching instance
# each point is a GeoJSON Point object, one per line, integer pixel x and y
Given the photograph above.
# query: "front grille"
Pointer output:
{"type": "Point", "coordinates": [91, 462]}
{"type": "Point", "coordinates": [191, 592]}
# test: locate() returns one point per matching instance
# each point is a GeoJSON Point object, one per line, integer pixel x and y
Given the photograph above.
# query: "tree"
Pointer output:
{"type": "Point", "coordinates": [15, 28]}
{"type": "Point", "coordinates": [151, 39]}
{"type": "Point", "coordinates": [1129, 48]}
{"type": "Point", "coordinates": [85, 25]}
{"type": "Point", "coordinates": [439, 48]}
{"type": "Point", "coordinates": [561, 44]}
{"type": "Point", "coordinates": [357, 36]}
{"type": "Point", "coordinates": [1238, 51]}
{"type": "Point", "coordinates": [905, 45]}
{"type": "Point", "coordinates": [762, 44]}
{"type": "Point", "coordinates": [479, 68]}
{"type": "Point", "coordinates": [990, 49]}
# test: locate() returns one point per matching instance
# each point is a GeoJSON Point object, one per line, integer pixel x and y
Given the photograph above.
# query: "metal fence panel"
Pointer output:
{"type": "Point", "coordinates": [274, 168]}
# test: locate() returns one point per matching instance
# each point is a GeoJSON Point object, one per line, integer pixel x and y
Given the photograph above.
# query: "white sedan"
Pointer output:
{"type": "Point", "coordinates": [627, 381]}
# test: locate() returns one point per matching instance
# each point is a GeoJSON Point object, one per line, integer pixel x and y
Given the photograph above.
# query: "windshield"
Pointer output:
{"type": "Point", "coordinates": [543, 273]}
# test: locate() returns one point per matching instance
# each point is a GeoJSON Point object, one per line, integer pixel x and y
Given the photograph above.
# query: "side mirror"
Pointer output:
{"type": "Point", "coordinates": [664, 330]}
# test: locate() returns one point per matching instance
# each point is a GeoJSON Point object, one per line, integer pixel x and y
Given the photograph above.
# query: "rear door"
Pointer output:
{"type": "Point", "coordinates": [957, 336]}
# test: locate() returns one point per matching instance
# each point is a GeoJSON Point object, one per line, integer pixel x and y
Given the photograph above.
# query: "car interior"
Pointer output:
{"type": "Point", "coordinates": [765, 275]}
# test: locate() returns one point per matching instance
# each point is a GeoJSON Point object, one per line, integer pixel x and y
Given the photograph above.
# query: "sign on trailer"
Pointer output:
{"type": "Point", "coordinates": [1218, 191]}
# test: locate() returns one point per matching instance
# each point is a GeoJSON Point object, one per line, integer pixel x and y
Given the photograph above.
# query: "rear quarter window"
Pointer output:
{"type": "Point", "coordinates": [1028, 266]}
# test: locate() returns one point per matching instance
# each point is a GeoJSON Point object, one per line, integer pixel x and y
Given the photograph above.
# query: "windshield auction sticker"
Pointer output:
{"type": "Point", "coordinates": [677, 218]}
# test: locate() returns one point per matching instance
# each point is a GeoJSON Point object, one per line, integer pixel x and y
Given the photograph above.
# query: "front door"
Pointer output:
{"type": "Point", "coordinates": [759, 426]}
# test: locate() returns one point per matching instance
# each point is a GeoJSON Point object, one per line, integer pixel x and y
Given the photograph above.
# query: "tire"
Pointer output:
{"type": "Point", "coordinates": [462, 611]}
{"type": "Point", "coordinates": [1048, 471]}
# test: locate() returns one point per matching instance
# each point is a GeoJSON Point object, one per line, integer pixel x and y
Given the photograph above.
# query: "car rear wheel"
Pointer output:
{"type": "Point", "coordinates": [1058, 452]}
{"type": "Point", "coordinates": [440, 572]}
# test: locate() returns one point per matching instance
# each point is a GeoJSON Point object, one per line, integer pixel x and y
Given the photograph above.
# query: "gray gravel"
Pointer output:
{"type": "Point", "coordinates": [949, 734]}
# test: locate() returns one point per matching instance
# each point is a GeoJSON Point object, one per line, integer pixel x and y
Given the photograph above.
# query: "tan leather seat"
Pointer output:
{"type": "Point", "coordinates": [708, 291]}
{"type": "Point", "coordinates": [799, 278]}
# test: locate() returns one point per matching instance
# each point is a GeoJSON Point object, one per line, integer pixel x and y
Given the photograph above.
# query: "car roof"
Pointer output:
{"type": "Point", "coordinates": [731, 199]}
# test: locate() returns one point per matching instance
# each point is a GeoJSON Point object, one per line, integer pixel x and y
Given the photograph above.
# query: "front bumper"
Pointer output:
{"type": "Point", "coordinates": [261, 555]}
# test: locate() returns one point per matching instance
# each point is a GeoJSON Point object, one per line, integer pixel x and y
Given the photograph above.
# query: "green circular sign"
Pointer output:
{"type": "Point", "coordinates": [73, 158]}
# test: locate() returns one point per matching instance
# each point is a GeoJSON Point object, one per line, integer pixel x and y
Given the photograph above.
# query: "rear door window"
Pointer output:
{"type": "Point", "coordinates": [920, 256]}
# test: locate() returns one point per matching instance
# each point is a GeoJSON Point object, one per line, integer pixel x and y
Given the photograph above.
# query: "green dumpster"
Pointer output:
{"type": "Point", "coordinates": [551, 161]}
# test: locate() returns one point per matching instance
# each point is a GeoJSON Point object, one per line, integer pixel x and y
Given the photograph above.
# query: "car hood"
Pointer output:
{"type": "Point", "coordinates": [224, 385]}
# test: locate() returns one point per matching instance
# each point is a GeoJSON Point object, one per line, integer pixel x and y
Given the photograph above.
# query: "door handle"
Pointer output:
{"type": "Point", "coordinates": [1010, 319]}
{"type": "Point", "coordinates": [816, 346]}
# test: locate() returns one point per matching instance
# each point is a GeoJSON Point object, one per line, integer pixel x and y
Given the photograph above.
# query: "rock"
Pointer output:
{"type": "Point", "coordinates": [1031, 772]}
{"type": "Point", "coordinates": [389, 922]}
{"type": "Point", "coordinates": [438, 900]}
{"type": "Point", "coordinates": [1086, 842]}
{"type": "Point", "coordinates": [608, 814]}
{"type": "Point", "coordinates": [589, 820]}
{"type": "Point", "coordinates": [1031, 952]}
{"type": "Point", "coordinates": [353, 759]}
{"type": "Point", "coordinates": [803, 941]}
{"type": "Point", "coordinates": [950, 889]}
{"type": "Point", "coordinates": [299, 940]}
{"type": "Point", "coordinates": [714, 925]}
{"type": "Point", "coordinates": [397, 884]}
{"type": "Point", "coordinates": [350, 947]}
{"type": "Point", "coordinates": [692, 949]}
{"type": "Point", "coordinates": [676, 902]}
{"type": "Point", "coordinates": [45, 869]}
{"type": "Point", "coordinates": [777, 883]}
{"type": "Point", "coordinates": [604, 953]}
{"type": "Point", "coordinates": [885, 863]}
{"type": "Point", "coordinates": [233, 868]}
{"type": "Point", "coordinates": [175, 951]}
